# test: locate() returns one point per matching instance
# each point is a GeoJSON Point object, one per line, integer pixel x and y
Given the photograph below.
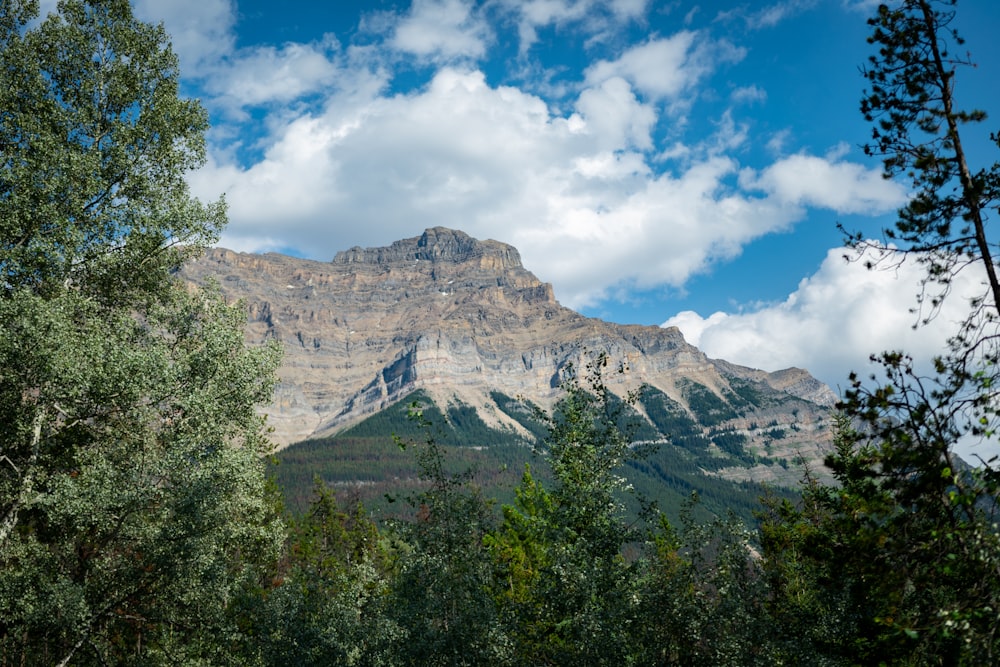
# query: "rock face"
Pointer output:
{"type": "Point", "coordinates": [461, 318]}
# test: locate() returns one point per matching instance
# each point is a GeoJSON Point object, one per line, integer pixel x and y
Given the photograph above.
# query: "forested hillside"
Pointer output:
{"type": "Point", "coordinates": [366, 462]}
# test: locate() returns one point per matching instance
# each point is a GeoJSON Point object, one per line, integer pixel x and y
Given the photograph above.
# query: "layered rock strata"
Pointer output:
{"type": "Point", "coordinates": [461, 318]}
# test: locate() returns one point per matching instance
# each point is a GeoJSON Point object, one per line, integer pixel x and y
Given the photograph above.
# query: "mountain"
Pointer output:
{"type": "Point", "coordinates": [462, 321]}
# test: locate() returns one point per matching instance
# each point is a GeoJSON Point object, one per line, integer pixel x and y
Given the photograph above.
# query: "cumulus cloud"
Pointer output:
{"type": "Point", "coordinates": [834, 321]}
{"type": "Point", "coordinates": [203, 37]}
{"type": "Point", "coordinates": [659, 68]}
{"type": "Point", "coordinates": [569, 191]}
{"type": "Point", "coordinates": [663, 68]}
{"type": "Point", "coordinates": [808, 180]}
{"type": "Point", "coordinates": [614, 117]}
{"type": "Point", "coordinates": [577, 192]}
{"type": "Point", "coordinates": [269, 75]}
{"type": "Point", "coordinates": [577, 185]}
{"type": "Point", "coordinates": [441, 30]}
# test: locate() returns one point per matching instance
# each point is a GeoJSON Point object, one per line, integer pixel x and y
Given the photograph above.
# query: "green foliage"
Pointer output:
{"type": "Point", "coordinates": [704, 597]}
{"type": "Point", "coordinates": [522, 411]}
{"type": "Point", "coordinates": [731, 443]}
{"type": "Point", "coordinates": [370, 467]}
{"type": "Point", "coordinates": [96, 143]}
{"type": "Point", "coordinates": [670, 418]}
{"type": "Point", "coordinates": [901, 567]}
{"type": "Point", "coordinates": [897, 563]}
{"type": "Point", "coordinates": [749, 392]}
{"type": "Point", "coordinates": [567, 575]}
{"type": "Point", "coordinates": [364, 460]}
{"type": "Point", "coordinates": [911, 103]}
{"type": "Point", "coordinates": [325, 604]}
{"type": "Point", "coordinates": [439, 596]}
{"type": "Point", "coordinates": [707, 406]}
{"type": "Point", "coordinates": [916, 129]}
{"type": "Point", "coordinates": [459, 425]}
{"type": "Point", "coordinates": [375, 468]}
{"type": "Point", "coordinates": [132, 495]}
{"type": "Point", "coordinates": [564, 588]}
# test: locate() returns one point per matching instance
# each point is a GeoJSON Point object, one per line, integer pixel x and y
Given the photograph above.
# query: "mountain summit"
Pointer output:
{"type": "Point", "coordinates": [464, 321]}
{"type": "Point", "coordinates": [442, 245]}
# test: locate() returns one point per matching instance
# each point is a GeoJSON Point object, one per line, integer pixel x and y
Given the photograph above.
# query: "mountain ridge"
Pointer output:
{"type": "Point", "coordinates": [461, 318]}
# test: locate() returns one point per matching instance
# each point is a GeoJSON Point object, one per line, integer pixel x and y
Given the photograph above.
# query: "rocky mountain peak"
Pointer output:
{"type": "Point", "coordinates": [437, 245]}
{"type": "Point", "coordinates": [462, 320]}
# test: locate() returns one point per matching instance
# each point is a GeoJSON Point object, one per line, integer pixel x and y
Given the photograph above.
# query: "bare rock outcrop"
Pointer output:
{"type": "Point", "coordinates": [461, 318]}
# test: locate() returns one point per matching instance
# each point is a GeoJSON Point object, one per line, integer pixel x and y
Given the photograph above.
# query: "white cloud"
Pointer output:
{"type": "Point", "coordinates": [767, 16]}
{"type": "Point", "coordinates": [615, 117]}
{"type": "Point", "coordinates": [834, 321]}
{"type": "Point", "coordinates": [748, 94]}
{"type": "Point", "coordinates": [776, 144]}
{"type": "Point", "coordinates": [201, 31]}
{"type": "Point", "coordinates": [381, 168]}
{"type": "Point", "coordinates": [664, 68]}
{"type": "Point", "coordinates": [728, 135]}
{"type": "Point", "coordinates": [866, 6]}
{"type": "Point", "coordinates": [267, 74]}
{"type": "Point", "coordinates": [628, 9]}
{"type": "Point", "coordinates": [441, 30]}
{"type": "Point", "coordinates": [808, 180]}
{"type": "Point", "coordinates": [203, 37]}
{"type": "Point", "coordinates": [570, 192]}
{"type": "Point", "coordinates": [837, 319]}
{"type": "Point", "coordinates": [772, 15]}
{"type": "Point", "coordinates": [594, 17]}
{"type": "Point", "coordinates": [660, 231]}
{"type": "Point", "coordinates": [580, 191]}
{"type": "Point", "coordinates": [577, 193]}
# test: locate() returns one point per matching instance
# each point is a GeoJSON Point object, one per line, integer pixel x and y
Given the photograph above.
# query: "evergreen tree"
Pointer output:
{"type": "Point", "coordinates": [325, 604]}
{"type": "Point", "coordinates": [899, 561]}
{"type": "Point", "coordinates": [567, 593]}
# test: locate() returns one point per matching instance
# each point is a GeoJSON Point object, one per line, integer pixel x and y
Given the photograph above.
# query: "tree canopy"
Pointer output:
{"type": "Point", "coordinates": [132, 500]}
{"type": "Point", "coordinates": [902, 555]}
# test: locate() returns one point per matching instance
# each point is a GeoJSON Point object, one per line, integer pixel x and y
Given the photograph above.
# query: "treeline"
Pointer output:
{"type": "Point", "coordinates": [566, 575]}
{"type": "Point", "coordinates": [363, 461]}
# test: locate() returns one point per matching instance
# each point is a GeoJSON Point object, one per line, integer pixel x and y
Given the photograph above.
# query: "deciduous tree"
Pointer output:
{"type": "Point", "coordinates": [132, 497]}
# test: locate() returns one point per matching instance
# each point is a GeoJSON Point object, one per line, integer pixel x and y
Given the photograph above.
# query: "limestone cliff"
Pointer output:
{"type": "Point", "coordinates": [461, 318]}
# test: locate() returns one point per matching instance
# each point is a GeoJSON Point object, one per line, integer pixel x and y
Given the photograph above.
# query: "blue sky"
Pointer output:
{"type": "Point", "coordinates": [658, 162]}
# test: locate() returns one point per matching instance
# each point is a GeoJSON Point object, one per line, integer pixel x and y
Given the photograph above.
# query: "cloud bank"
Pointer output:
{"type": "Point", "coordinates": [321, 150]}
{"type": "Point", "coordinates": [834, 321]}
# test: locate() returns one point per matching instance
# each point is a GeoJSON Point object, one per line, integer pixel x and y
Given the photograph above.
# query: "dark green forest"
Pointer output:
{"type": "Point", "coordinates": [366, 462]}
{"type": "Point", "coordinates": [138, 524]}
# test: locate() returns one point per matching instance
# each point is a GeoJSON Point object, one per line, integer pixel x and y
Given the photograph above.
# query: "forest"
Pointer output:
{"type": "Point", "coordinates": [365, 462]}
{"type": "Point", "coordinates": [138, 525]}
